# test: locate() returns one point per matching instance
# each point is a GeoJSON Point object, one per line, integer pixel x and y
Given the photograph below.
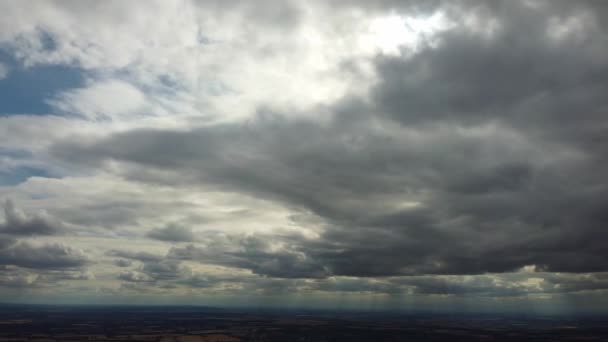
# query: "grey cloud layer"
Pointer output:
{"type": "Point", "coordinates": [17, 223]}
{"type": "Point", "coordinates": [24, 254]}
{"type": "Point", "coordinates": [476, 154]}
{"type": "Point", "coordinates": [47, 256]}
{"type": "Point", "coordinates": [170, 273]}
{"type": "Point", "coordinates": [172, 233]}
{"type": "Point", "coordinates": [471, 158]}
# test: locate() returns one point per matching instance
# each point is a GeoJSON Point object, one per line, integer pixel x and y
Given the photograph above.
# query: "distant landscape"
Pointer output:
{"type": "Point", "coordinates": [205, 324]}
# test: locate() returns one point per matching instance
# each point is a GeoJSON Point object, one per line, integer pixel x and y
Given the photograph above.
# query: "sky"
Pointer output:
{"type": "Point", "coordinates": [379, 155]}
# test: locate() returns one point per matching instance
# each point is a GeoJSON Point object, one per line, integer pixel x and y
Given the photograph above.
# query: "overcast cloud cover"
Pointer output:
{"type": "Point", "coordinates": [370, 154]}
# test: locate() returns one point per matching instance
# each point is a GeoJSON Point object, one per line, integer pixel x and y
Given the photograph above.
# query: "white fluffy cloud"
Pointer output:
{"type": "Point", "coordinates": [111, 99]}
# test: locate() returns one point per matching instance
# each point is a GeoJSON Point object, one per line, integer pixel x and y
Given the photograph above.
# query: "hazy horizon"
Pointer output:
{"type": "Point", "coordinates": [440, 156]}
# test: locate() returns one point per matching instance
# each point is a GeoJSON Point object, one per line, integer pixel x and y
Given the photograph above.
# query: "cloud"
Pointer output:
{"type": "Point", "coordinates": [18, 280]}
{"type": "Point", "coordinates": [32, 279]}
{"type": "Point", "coordinates": [134, 276]}
{"type": "Point", "coordinates": [139, 256]}
{"type": "Point", "coordinates": [70, 275]}
{"type": "Point", "coordinates": [533, 81]}
{"type": "Point", "coordinates": [172, 233]}
{"type": "Point", "coordinates": [47, 256]}
{"type": "Point", "coordinates": [471, 166]}
{"type": "Point", "coordinates": [346, 285]}
{"type": "Point", "coordinates": [262, 255]}
{"type": "Point", "coordinates": [101, 100]}
{"type": "Point", "coordinates": [123, 262]}
{"type": "Point", "coordinates": [4, 70]}
{"type": "Point", "coordinates": [432, 149]}
{"type": "Point", "coordinates": [163, 270]}
{"type": "Point", "coordinates": [17, 223]}
{"type": "Point", "coordinates": [390, 198]}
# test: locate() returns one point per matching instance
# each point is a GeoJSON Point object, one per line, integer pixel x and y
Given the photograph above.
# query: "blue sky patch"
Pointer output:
{"type": "Point", "coordinates": [20, 175]}
{"type": "Point", "coordinates": [25, 90]}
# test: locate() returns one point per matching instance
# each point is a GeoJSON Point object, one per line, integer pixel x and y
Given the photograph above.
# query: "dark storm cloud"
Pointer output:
{"type": "Point", "coordinates": [172, 233]}
{"type": "Point", "coordinates": [522, 74]}
{"type": "Point", "coordinates": [17, 223]}
{"type": "Point", "coordinates": [479, 153]}
{"type": "Point", "coordinates": [48, 256]}
{"type": "Point", "coordinates": [466, 223]}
